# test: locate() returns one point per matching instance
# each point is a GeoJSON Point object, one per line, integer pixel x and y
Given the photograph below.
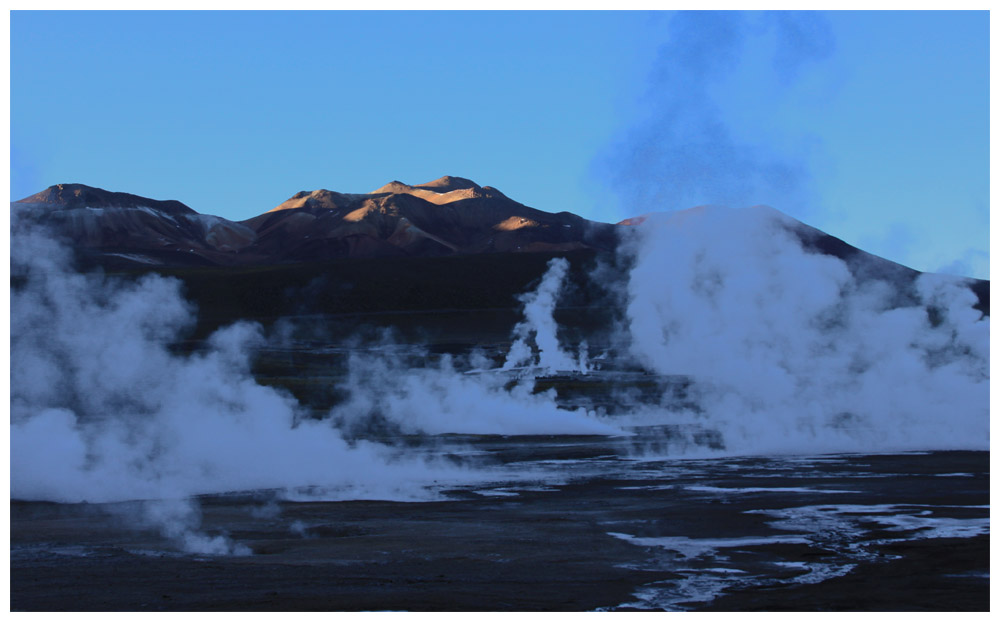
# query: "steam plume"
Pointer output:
{"type": "Point", "coordinates": [792, 353]}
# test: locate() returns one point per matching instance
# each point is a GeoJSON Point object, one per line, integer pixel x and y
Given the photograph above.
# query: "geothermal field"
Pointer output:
{"type": "Point", "coordinates": [715, 417]}
{"type": "Point", "coordinates": [731, 353]}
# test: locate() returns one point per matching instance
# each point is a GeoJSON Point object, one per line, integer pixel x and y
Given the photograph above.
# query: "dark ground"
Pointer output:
{"type": "Point", "coordinates": [536, 551]}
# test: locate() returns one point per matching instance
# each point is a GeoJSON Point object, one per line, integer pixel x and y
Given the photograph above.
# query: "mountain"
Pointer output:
{"type": "Point", "coordinates": [117, 225]}
{"type": "Point", "coordinates": [76, 196]}
{"type": "Point", "coordinates": [447, 216]}
{"type": "Point", "coordinates": [450, 215]}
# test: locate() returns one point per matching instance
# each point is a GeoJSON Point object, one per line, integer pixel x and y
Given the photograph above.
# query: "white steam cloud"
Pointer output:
{"type": "Point", "coordinates": [179, 522]}
{"type": "Point", "coordinates": [789, 352]}
{"type": "Point", "coordinates": [481, 399]}
{"type": "Point", "coordinates": [539, 325]}
{"type": "Point", "coordinates": [101, 410]}
{"type": "Point", "coordinates": [441, 400]}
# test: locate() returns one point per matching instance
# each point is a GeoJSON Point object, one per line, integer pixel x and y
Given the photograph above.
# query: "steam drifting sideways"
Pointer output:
{"type": "Point", "coordinates": [783, 350]}
{"type": "Point", "coordinates": [101, 410]}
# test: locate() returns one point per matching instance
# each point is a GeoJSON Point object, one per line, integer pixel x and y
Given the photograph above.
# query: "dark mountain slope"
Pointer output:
{"type": "Point", "coordinates": [117, 226]}
{"type": "Point", "coordinates": [74, 196]}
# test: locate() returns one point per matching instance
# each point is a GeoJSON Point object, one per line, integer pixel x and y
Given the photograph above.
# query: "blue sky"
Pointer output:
{"type": "Point", "coordinates": [872, 126]}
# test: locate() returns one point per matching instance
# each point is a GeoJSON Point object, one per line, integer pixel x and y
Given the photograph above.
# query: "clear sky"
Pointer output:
{"type": "Point", "coordinates": [872, 126]}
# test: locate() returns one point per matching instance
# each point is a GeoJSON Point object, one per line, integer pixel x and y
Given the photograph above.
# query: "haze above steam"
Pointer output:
{"type": "Point", "coordinates": [859, 123]}
{"type": "Point", "coordinates": [686, 152]}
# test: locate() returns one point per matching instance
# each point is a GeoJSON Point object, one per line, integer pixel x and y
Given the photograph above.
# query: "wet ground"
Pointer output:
{"type": "Point", "coordinates": [567, 523]}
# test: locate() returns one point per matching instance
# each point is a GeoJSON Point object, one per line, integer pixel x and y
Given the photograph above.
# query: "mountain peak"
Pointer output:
{"type": "Point", "coordinates": [327, 199]}
{"type": "Point", "coordinates": [443, 190]}
{"type": "Point", "coordinates": [73, 196]}
{"type": "Point", "coordinates": [394, 187]}
{"type": "Point", "coordinates": [440, 185]}
{"type": "Point", "coordinates": [449, 183]}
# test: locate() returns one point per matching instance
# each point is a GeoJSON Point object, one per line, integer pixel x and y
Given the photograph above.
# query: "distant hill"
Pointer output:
{"type": "Point", "coordinates": [447, 216]}
{"type": "Point", "coordinates": [116, 227]}
{"type": "Point", "coordinates": [77, 196]}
